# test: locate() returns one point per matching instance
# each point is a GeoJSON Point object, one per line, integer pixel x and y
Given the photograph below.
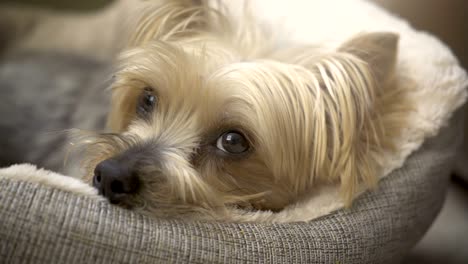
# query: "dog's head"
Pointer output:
{"type": "Point", "coordinates": [196, 128]}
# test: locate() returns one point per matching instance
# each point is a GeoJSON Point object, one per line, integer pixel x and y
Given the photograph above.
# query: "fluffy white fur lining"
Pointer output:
{"type": "Point", "coordinates": [440, 88]}
{"type": "Point", "coordinates": [30, 173]}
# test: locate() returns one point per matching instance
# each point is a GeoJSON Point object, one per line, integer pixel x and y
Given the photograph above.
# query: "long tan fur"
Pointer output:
{"type": "Point", "coordinates": [311, 117]}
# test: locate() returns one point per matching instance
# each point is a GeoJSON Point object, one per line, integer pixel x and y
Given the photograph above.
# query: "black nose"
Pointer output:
{"type": "Point", "coordinates": [115, 180]}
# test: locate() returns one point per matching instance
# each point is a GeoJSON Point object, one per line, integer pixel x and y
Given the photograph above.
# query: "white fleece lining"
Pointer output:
{"type": "Point", "coordinates": [30, 173]}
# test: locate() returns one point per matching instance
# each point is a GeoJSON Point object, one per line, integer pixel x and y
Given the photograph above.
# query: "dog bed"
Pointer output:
{"type": "Point", "coordinates": [68, 223]}
{"type": "Point", "coordinates": [47, 224]}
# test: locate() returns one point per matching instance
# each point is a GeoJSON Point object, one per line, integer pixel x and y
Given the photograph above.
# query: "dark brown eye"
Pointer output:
{"type": "Point", "coordinates": [232, 142]}
{"type": "Point", "coordinates": [146, 102]}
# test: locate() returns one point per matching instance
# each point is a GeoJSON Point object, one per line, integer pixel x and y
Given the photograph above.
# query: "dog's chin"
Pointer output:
{"type": "Point", "coordinates": [165, 209]}
{"type": "Point", "coordinates": [175, 209]}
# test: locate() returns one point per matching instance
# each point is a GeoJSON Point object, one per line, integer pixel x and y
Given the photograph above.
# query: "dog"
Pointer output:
{"type": "Point", "coordinates": [210, 113]}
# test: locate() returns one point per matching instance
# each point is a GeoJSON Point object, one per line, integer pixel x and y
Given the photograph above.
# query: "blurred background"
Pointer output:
{"type": "Point", "coordinates": [66, 5]}
{"type": "Point", "coordinates": [447, 19]}
{"type": "Point", "coordinates": [447, 240]}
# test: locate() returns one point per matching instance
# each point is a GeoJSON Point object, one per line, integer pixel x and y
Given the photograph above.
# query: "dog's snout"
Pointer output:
{"type": "Point", "coordinates": [115, 180]}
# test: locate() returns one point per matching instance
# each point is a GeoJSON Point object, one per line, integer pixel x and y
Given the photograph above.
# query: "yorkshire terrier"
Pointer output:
{"type": "Point", "coordinates": [209, 113]}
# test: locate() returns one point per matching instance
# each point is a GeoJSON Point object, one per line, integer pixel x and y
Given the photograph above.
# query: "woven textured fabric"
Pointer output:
{"type": "Point", "coordinates": [43, 225]}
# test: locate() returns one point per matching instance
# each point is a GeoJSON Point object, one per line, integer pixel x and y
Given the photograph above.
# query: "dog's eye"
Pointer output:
{"type": "Point", "coordinates": [146, 102]}
{"type": "Point", "coordinates": [232, 142]}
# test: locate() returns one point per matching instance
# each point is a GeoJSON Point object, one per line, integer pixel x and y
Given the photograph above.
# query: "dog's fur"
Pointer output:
{"type": "Point", "coordinates": [311, 116]}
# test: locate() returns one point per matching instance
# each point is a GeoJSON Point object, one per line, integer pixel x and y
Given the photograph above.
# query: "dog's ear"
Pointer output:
{"type": "Point", "coordinates": [378, 50]}
{"type": "Point", "coordinates": [353, 107]}
{"type": "Point", "coordinates": [367, 103]}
